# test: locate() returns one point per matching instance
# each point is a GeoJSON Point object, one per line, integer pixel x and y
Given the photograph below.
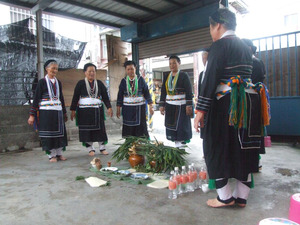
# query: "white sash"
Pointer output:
{"type": "Point", "coordinates": [50, 105]}
{"type": "Point", "coordinates": [176, 99]}
{"type": "Point", "coordinates": [225, 87]}
{"type": "Point", "coordinates": [89, 103]}
{"type": "Point", "coordinates": [133, 101]}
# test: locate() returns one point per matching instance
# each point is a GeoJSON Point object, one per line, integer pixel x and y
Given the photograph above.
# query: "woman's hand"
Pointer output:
{"type": "Point", "coordinates": [118, 112]}
{"type": "Point", "coordinates": [73, 114]}
{"type": "Point", "coordinates": [162, 110]}
{"type": "Point", "coordinates": [65, 117]}
{"type": "Point", "coordinates": [30, 120]}
{"type": "Point", "coordinates": [189, 110]}
{"type": "Point", "coordinates": [151, 109]}
{"type": "Point", "coordinates": [110, 112]}
{"type": "Point", "coordinates": [199, 121]}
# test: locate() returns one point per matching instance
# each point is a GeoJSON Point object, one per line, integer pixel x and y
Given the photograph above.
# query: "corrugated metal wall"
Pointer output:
{"type": "Point", "coordinates": [190, 41]}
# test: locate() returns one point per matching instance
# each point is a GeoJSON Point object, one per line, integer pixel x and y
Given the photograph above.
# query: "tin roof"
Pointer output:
{"type": "Point", "coordinates": [111, 13]}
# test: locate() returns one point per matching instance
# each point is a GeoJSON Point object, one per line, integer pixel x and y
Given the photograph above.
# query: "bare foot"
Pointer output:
{"type": "Point", "coordinates": [91, 153]}
{"type": "Point", "coordinates": [53, 159]}
{"type": "Point", "coordinates": [61, 158]}
{"type": "Point", "coordinates": [215, 203]}
{"type": "Point", "coordinates": [241, 205]}
{"type": "Point", "coordinates": [104, 152]}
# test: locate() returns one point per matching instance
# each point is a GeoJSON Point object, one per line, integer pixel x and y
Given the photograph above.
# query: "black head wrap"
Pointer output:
{"type": "Point", "coordinates": [224, 16]}
{"type": "Point", "coordinates": [87, 65]}
{"type": "Point", "coordinates": [48, 62]}
{"type": "Point", "coordinates": [129, 62]}
{"type": "Point", "coordinates": [175, 57]}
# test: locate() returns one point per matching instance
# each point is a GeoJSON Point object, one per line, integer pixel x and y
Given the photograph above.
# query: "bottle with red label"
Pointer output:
{"type": "Point", "coordinates": [202, 177]}
{"type": "Point", "coordinates": [183, 180]}
{"type": "Point", "coordinates": [178, 180]}
{"type": "Point", "coordinates": [172, 186]}
{"type": "Point", "coordinates": [190, 184]}
{"type": "Point", "coordinates": [196, 183]}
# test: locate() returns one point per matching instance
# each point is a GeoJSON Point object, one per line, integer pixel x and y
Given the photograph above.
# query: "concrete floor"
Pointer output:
{"type": "Point", "coordinates": [34, 191]}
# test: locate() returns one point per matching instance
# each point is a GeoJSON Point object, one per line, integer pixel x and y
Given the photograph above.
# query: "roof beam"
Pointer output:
{"type": "Point", "coordinates": [61, 13]}
{"type": "Point", "coordinates": [175, 3]}
{"type": "Point", "coordinates": [82, 18]}
{"type": "Point", "coordinates": [17, 3]}
{"type": "Point", "coordinates": [105, 11]}
{"type": "Point", "coordinates": [137, 6]}
{"type": "Point", "coordinates": [41, 5]}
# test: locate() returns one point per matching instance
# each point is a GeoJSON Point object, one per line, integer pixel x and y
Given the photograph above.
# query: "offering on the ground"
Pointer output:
{"type": "Point", "coordinates": [123, 172]}
{"type": "Point", "coordinates": [96, 163]}
{"type": "Point", "coordinates": [109, 169]}
{"type": "Point", "coordinates": [139, 176]}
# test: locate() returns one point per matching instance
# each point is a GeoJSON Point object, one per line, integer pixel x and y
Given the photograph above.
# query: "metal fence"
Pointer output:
{"type": "Point", "coordinates": [280, 54]}
{"type": "Point", "coordinates": [17, 87]}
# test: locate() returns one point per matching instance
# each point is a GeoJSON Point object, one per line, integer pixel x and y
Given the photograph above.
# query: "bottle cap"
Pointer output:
{"type": "Point", "coordinates": [176, 168]}
{"type": "Point", "coordinates": [183, 167]}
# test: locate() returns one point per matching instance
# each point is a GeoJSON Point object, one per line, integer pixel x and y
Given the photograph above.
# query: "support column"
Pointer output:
{"type": "Point", "coordinates": [135, 56]}
{"type": "Point", "coordinates": [40, 55]}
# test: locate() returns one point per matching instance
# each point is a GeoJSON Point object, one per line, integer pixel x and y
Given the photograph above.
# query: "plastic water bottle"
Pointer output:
{"type": "Point", "coordinates": [183, 179]}
{"type": "Point", "coordinates": [172, 186]}
{"type": "Point", "coordinates": [178, 180]}
{"type": "Point", "coordinates": [203, 182]}
{"type": "Point", "coordinates": [196, 183]}
{"type": "Point", "coordinates": [190, 184]}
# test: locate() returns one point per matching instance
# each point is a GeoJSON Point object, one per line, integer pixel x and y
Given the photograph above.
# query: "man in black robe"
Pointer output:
{"type": "Point", "coordinates": [231, 134]}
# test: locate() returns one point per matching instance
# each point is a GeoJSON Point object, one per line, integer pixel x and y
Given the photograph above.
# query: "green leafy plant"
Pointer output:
{"type": "Point", "coordinates": [79, 178]}
{"type": "Point", "coordinates": [132, 145]}
{"type": "Point", "coordinates": [159, 157]}
{"type": "Point", "coordinates": [165, 157]}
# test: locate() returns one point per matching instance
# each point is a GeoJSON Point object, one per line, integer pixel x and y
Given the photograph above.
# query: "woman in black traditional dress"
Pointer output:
{"type": "Point", "coordinates": [176, 103]}
{"type": "Point", "coordinates": [48, 113]}
{"type": "Point", "coordinates": [231, 134]}
{"type": "Point", "coordinates": [87, 102]}
{"type": "Point", "coordinates": [132, 98]}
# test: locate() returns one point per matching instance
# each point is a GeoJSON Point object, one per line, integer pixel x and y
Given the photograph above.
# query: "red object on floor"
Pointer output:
{"type": "Point", "coordinates": [294, 213]}
{"type": "Point", "coordinates": [268, 141]}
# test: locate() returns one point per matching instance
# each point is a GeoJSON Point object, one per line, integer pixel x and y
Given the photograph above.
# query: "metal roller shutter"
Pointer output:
{"type": "Point", "coordinates": [190, 41]}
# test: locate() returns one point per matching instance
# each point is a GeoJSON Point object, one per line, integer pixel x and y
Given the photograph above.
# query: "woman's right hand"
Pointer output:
{"type": "Point", "coordinates": [162, 110]}
{"type": "Point", "coordinates": [30, 120]}
{"type": "Point", "coordinates": [118, 112]}
{"type": "Point", "coordinates": [73, 114]}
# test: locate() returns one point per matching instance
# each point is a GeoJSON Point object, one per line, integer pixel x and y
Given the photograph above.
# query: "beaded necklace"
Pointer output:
{"type": "Point", "coordinates": [53, 95]}
{"type": "Point", "coordinates": [92, 91]}
{"type": "Point", "coordinates": [171, 83]}
{"type": "Point", "coordinates": [132, 89]}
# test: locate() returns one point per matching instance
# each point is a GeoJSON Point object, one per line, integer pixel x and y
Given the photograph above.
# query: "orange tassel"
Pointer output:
{"type": "Point", "coordinates": [264, 107]}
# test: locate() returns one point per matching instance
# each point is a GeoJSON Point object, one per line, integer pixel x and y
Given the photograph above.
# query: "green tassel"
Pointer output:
{"type": "Point", "coordinates": [103, 111]}
{"type": "Point", "coordinates": [212, 184]}
{"type": "Point", "coordinates": [243, 107]}
{"type": "Point", "coordinates": [84, 144]}
{"type": "Point", "coordinates": [76, 118]}
{"type": "Point", "coordinates": [252, 181]}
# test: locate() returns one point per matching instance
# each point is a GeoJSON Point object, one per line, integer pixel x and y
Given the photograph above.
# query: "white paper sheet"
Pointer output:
{"type": "Point", "coordinates": [95, 181]}
{"type": "Point", "coordinates": [159, 184]}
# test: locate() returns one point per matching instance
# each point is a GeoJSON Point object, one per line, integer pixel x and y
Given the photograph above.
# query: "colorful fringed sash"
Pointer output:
{"type": "Point", "coordinates": [238, 104]}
